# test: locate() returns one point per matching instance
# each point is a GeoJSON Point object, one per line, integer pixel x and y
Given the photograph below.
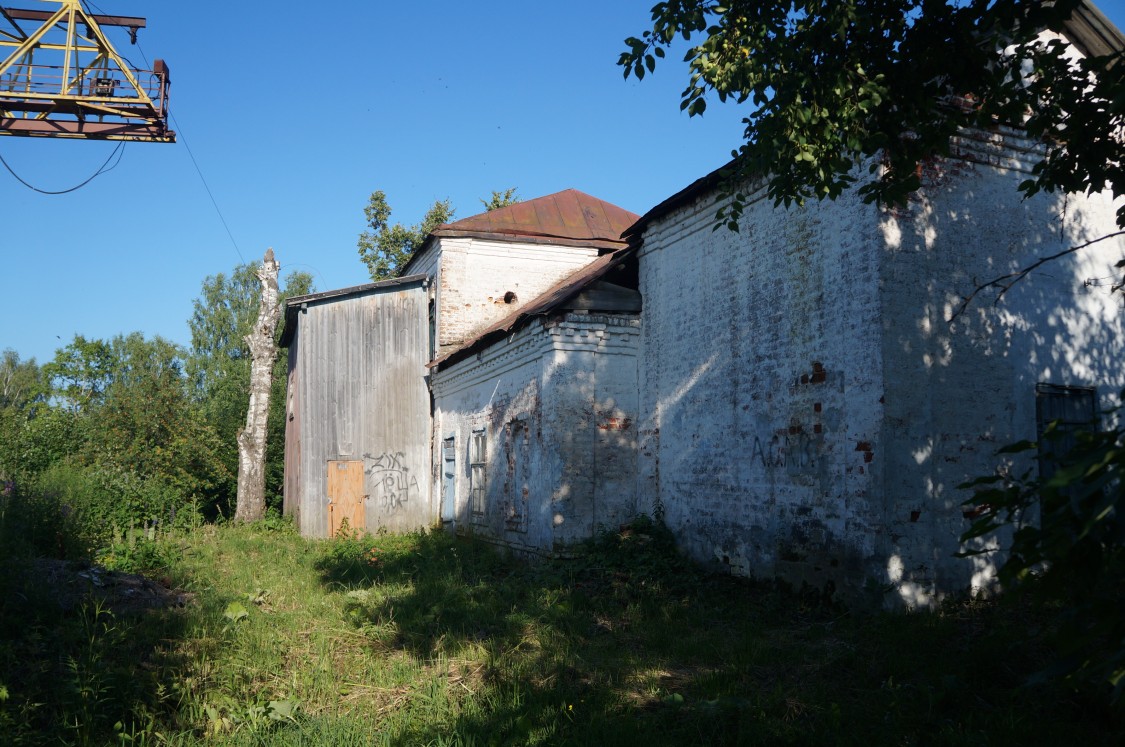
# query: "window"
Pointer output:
{"type": "Point", "coordinates": [518, 487]}
{"type": "Point", "coordinates": [478, 453]}
{"type": "Point", "coordinates": [449, 478]}
{"type": "Point", "coordinates": [1074, 408]}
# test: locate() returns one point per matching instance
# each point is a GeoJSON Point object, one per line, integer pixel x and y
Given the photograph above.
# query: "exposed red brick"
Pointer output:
{"type": "Point", "coordinates": [868, 456]}
{"type": "Point", "coordinates": [863, 446]}
{"type": "Point", "coordinates": [976, 511]}
{"type": "Point", "coordinates": [816, 407]}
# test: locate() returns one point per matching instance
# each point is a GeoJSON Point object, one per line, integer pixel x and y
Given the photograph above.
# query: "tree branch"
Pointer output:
{"type": "Point", "coordinates": [1005, 282]}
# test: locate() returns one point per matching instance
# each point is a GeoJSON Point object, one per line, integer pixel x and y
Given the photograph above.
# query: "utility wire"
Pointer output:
{"type": "Point", "coordinates": [119, 151]}
{"type": "Point", "coordinates": [180, 135]}
{"type": "Point", "coordinates": [214, 202]}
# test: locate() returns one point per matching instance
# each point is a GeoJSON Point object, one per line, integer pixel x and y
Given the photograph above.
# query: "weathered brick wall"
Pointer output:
{"type": "Point", "coordinates": [806, 408]}
{"type": "Point", "coordinates": [476, 275]}
{"type": "Point", "coordinates": [572, 382]}
{"type": "Point", "coordinates": [760, 386]}
{"type": "Point", "coordinates": [956, 392]}
{"type": "Point", "coordinates": [590, 419]}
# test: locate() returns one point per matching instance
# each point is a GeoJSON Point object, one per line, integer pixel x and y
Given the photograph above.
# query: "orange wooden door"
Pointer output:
{"type": "Point", "coordinates": [345, 496]}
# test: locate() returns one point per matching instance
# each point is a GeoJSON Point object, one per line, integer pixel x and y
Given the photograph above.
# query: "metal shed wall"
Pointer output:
{"type": "Point", "coordinates": [357, 365]}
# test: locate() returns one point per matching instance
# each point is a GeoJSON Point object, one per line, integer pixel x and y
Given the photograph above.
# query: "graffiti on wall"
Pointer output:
{"type": "Point", "coordinates": [392, 481]}
{"type": "Point", "coordinates": [796, 452]}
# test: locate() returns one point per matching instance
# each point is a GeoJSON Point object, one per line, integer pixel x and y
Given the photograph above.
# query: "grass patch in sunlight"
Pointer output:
{"type": "Point", "coordinates": [430, 639]}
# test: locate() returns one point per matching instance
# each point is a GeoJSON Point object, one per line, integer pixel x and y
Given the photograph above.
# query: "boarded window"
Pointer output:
{"type": "Point", "coordinates": [478, 454]}
{"type": "Point", "coordinates": [1074, 409]}
{"type": "Point", "coordinates": [346, 500]}
{"type": "Point", "coordinates": [448, 478]}
{"type": "Point", "coordinates": [518, 483]}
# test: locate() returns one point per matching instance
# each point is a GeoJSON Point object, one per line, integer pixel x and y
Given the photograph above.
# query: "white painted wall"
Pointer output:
{"type": "Point", "coordinates": [807, 411]}
{"type": "Point", "coordinates": [573, 382]}
{"type": "Point", "coordinates": [475, 275]}
{"type": "Point", "coordinates": [956, 392]}
{"type": "Point", "coordinates": [759, 377]}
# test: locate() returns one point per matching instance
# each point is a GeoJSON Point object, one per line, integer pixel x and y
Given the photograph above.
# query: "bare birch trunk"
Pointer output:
{"type": "Point", "coordinates": [252, 439]}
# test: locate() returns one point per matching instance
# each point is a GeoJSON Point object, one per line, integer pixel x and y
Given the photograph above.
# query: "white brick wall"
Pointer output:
{"type": "Point", "coordinates": [475, 275]}
{"type": "Point", "coordinates": [573, 381]}
{"type": "Point", "coordinates": [760, 375]}
{"type": "Point", "coordinates": [807, 411]}
{"type": "Point", "coordinates": [957, 392]}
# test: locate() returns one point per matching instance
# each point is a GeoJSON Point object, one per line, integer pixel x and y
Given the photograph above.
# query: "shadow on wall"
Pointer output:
{"type": "Point", "coordinates": [814, 418]}
{"type": "Point", "coordinates": [956, 391]}
{"type": "Point", "coordinates": [561, 452]}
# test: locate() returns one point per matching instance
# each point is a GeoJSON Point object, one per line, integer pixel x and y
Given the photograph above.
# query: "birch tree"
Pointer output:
{"type": "Point", "coordinates": [262, 342]}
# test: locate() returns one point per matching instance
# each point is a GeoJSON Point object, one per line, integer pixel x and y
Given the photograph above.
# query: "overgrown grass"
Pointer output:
{"type": "Point", "coordinates": [428, 639]}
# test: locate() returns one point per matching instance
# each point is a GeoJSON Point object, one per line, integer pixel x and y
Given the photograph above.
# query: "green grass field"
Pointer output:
{"type": "Point", "coordinates": [429, 640]}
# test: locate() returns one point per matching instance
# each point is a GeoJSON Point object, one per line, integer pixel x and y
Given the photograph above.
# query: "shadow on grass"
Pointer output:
{"type": "Point", "coordinates": [630, 645]}
{"type": "Point", "coordinates": [75, 669]}
{"type": "Point", "coordinates": [93, 657]}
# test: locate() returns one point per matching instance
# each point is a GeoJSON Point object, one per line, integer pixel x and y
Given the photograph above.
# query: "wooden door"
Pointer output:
{"type": "Point", "coordinates": [346, 501]}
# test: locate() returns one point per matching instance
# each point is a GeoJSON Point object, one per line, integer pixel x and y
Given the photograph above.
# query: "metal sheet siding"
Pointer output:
{"type": "Point", "coordinates": [292, 489]}
{"type": "Point", "coordinates": [360, 385]}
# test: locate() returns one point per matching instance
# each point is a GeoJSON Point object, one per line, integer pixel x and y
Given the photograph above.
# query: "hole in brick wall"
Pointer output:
{"type": "Point", "coordinates": [510, 297]}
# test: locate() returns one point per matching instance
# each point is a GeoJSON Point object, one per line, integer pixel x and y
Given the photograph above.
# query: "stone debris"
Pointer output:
{"type": "Point", "coordinates": [74, 584]}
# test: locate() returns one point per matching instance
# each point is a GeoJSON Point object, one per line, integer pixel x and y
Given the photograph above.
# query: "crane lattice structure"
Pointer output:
{"type": "Point", "coordinates": [63, 78]}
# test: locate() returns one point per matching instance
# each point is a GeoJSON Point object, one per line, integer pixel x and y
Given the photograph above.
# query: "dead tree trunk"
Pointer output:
{"type": "Point", "coordinates": [252, 439]}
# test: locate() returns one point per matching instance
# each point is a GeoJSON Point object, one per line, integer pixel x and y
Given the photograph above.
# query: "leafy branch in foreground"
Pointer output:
{"type": "Point", "coordinates": [1072, 555]}
{"type": "Point", "coordinates": [1005, 282]}
{"type": "Point", "coordinates": [833, 88]}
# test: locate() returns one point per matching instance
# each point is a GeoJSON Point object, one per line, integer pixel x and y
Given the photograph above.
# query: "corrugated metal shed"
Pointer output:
{"type": "Point", "coordinates": [359, 407]}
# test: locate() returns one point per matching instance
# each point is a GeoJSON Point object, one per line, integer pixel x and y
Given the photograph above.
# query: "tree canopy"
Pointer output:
{"type": "Point", "coordinates": [501, 199]}
{"type": "Point", "coordinates": [836, 86]}
{"type": "Point", "coordinates": [385, 247]}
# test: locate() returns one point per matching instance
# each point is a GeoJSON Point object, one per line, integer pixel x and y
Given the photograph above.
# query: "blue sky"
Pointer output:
{"type": "Point", "coordinates": [296, 113]}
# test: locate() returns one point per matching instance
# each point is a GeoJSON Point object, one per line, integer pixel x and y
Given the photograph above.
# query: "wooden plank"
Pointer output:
{"type": "Point", "coordinates": [345, 496]}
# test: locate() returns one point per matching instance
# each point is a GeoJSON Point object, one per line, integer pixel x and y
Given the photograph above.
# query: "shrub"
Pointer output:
{"type": "Point", "coordinates": [1072, 556]}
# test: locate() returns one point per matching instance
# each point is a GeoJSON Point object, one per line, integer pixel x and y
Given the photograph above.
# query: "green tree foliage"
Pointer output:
{"type": "Point", "coordinates": [80, 372]}
{"type": "Point", "coordinates": [21, 382]}
{"type": "Point", "coordinates": [218, 368]}
{"type": "Point", "coordinates": [1068, 548]}
{"type": "Point", "coordinates": [835, 87]}
{"type": "Point", "coordinates": [131, 412]}
{"type": "Point", "coordinates": [385, 247]}
{"type": "Point", "coordinates": [23, 394]}
{"type": "Point", "coordinates": [500, 199]}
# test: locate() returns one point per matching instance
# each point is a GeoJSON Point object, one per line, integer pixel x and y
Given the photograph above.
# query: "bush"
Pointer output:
{"type": "Point", "coordinates": [1072, 556]}
{"type": "Point", "coordinates": [71, 512]}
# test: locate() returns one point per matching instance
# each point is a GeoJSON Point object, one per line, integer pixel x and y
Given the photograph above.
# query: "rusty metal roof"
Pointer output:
{"type": "Point", "coordinates": [568, 217]}
{"type": "Point", "coordinates": [550, 300]}
{"type": "Point", "coordinates": [1093, 33]}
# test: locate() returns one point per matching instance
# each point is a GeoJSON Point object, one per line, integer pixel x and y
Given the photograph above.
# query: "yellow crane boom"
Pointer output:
{"type": "Point", "coordinates": [63, 78]}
